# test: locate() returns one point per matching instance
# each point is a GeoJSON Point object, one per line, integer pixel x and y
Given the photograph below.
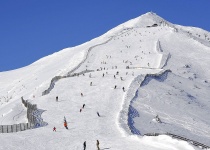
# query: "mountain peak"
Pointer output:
{"type": "Point", "coordinates": [150, 14]}
{"type": "Point", "coordinates": [146, 20]}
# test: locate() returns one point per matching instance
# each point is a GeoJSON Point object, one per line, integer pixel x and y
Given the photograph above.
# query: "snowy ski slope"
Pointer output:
{"type": "Point", "coordinates": [129, 56]}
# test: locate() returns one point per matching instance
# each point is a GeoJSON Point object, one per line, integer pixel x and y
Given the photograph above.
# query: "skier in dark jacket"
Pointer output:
{"type": "Point", "coordinates": [97, 144]}
{"type": "Point", "coordinates": [98, 114]}
{"type": "Point", "coordinates": [123, 89]}
{"type": "Point", "coordinates": [83, 106]}
{"type": "Point", "coordinates": [84, 145]}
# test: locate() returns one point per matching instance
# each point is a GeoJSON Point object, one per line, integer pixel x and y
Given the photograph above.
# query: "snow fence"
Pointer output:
{"type": "Point", "coordinates": [15, 127]}
{"type": "Point", "coordinates": [128, 112]}
{"type": "Point", "coordinates": [71, 73]}
{"type": "Point", "coordinates": [33, 116]}
{"type": "Point", "coordinates": [126, 115]}
{"type": "Point", "coordinates": [57, 78]}
{"type": "Point", "coordinates": [195, 143]}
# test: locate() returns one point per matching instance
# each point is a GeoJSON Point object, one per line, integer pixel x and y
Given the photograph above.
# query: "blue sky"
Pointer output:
{"type": "Point", "coordinates": [32, 29]}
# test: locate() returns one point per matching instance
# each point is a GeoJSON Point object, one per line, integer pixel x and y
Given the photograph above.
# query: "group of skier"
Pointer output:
{"type": "Point", "coordinates": [83, 106]}
{"type": "Point", "coordinates": [84, 144]}
{"type": "Point", "coordinates": [65, 122]}
{"type": "Point", "coordinates": [97, 145]}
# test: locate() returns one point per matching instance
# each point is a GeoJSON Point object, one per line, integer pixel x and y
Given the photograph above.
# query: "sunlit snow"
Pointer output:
{"type": "Point", "coordinates": [163, 67]}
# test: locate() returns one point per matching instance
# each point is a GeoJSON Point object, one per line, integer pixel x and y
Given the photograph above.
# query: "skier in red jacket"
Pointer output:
{"type": "Point", "coordinates": [65, 125]}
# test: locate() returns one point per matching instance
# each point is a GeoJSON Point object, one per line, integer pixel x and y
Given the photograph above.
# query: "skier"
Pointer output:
{"type": "Point", "coordinates": [117, 73]}
{"type": "Point", "coordinates": [84, 145]}
{"type": "Point", "coordinates": [97, 144]}
{"type": "Point", "coordinates": [115, 87]}
{"type": "Point", "coordinates": [82, 94]}
{"type": "Point", "coordinates": [98, 114]}
{"type": "Point", "coordinates": [91, 83]}
{"type": "Point", "coordinates": [158, 119]}
{"type": "Point", "coordinates": [121, 78]}
{"type": "Point", "coordinates": [80, 110]}
{"type": "Point", "coordinates": [83, 106]}
{"type": "Point", "coordinates": [56, 98]}
{"type": "Point", "coordinates": [114, 77]}
{"type": "Point", "coordinates": [103, 74]}
{"type": "Point", "coordinates": [54, 129]}
{"type": "Point", "coordinates": [123, 89]}
{"type": "Point", "coordinates": [65, 125]}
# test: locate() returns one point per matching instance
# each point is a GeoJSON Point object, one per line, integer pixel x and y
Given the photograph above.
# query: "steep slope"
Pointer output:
{"type": "Point", "coordinates": [181, 104]}
{"type": "Point", "coordinates": [145, 45]}
{"type": "Point", "coordinates": [37, 75]}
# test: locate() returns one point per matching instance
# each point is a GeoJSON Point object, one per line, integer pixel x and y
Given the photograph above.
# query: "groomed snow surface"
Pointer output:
{"type": "Point", "coordinates": [180, 97]}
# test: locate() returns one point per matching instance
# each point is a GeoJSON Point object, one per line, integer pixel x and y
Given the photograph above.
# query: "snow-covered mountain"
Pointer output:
{"type": "Point", "coordinates": [163, 68]}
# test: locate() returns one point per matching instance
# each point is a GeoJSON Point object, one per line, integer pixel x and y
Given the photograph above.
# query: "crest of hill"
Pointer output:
{"type": "Point", "coordinates": [146, 20]}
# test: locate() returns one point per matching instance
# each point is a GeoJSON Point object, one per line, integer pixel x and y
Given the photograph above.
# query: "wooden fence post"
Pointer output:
{"type": "Point", "coordinates": [14, 128]}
